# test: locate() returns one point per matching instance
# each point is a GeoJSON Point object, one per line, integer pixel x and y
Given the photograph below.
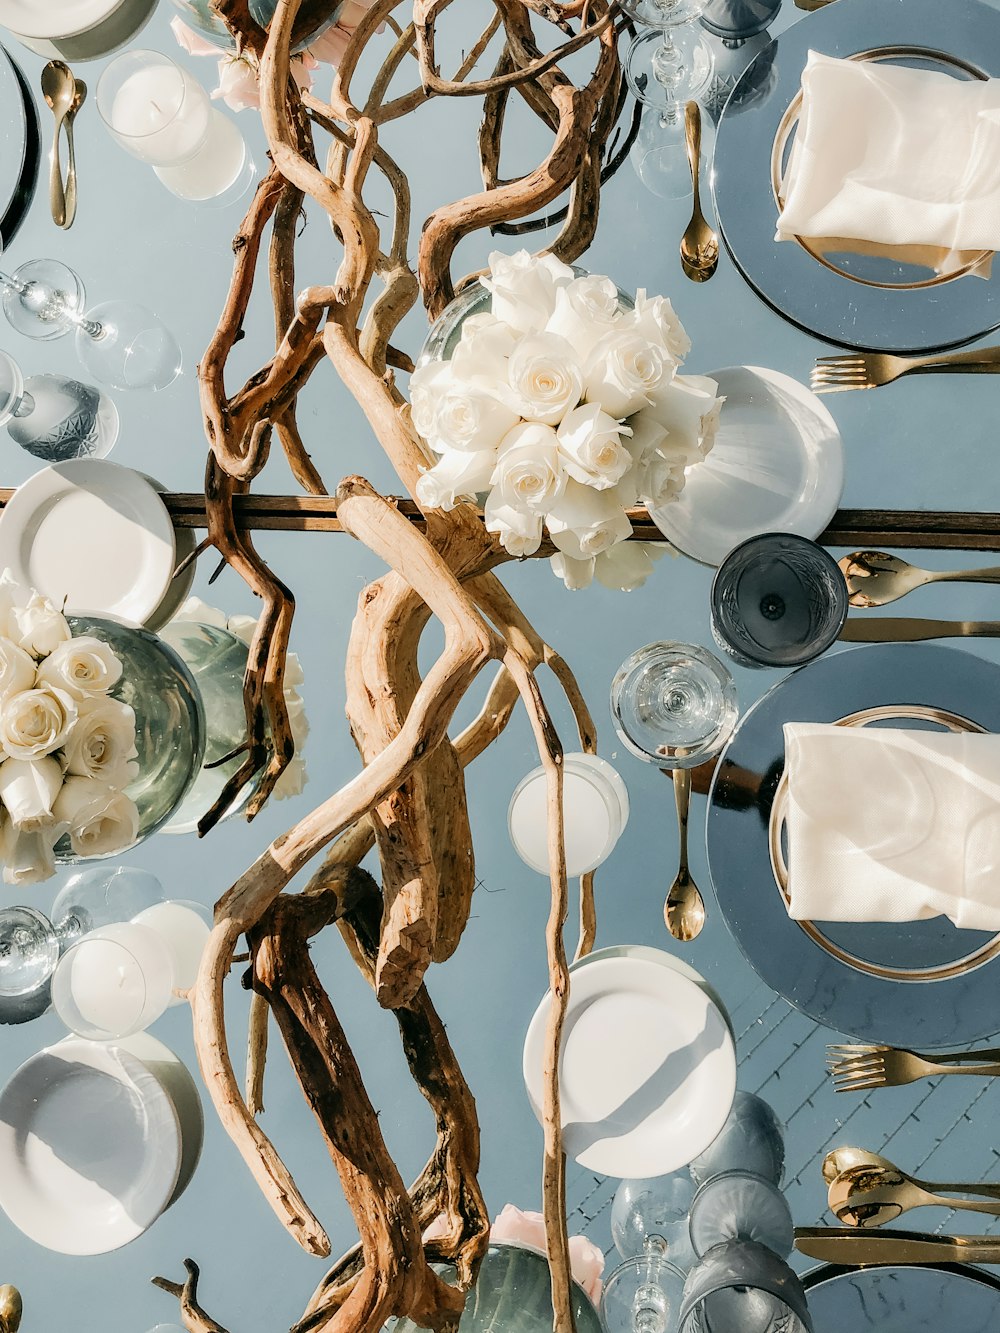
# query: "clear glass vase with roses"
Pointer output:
{"type": "Point", "coordinates": [558, 401]}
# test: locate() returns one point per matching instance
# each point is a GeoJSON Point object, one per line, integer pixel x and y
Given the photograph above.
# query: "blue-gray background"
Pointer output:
{"type": "Point", "coordinates": [925, 443]}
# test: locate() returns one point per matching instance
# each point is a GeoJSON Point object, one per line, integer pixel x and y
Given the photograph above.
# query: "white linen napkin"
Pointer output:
{"type": "Point", "coordinates": [887, 825]}
{"type": "Point", "coordinates": [894, 156]}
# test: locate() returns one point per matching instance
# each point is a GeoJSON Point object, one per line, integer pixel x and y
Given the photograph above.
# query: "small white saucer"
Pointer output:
{"type": "Point", "coordinates": [94, 537]}
{"type": "Point", "coordinates": [648, 1069]}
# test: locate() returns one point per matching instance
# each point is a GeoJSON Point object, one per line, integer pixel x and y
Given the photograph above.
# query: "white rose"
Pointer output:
{"type": "Point", "coordinates": [520, 533]}
{"type": "Point", "coordinates": [17, 670]}
{"type": "Point", "coordinates": [83, 666]}
{"type": "Point", "coordinates": [585, 309]}
{"type": "Point", "coordinates": [201, 613]}
{"type": "Point", "coordinates": [471, 418]}
{"type": "Point", "coordinates": [523, 287]}
{"type": "Point", "coordinates": [38, 628]}
{"type": "Point", "coordinates": [627, 565]}
{"type": "Point", "coordinates": [585, 522]}
{"type": "Point", "coordinates": [427, 383]}
{"type": "Point", "coordinates": [28, 789]}
{"type": "Point", "coordinates": [529, 473]}
{"type": "Point", "coordinates": [102, 743]}
{"type": "Point", "coordinates": [710, 422]}
{"type": "Point", "coordinates": [575, 574]}
{"type": "Point", "coordinates": [591, 444]}
{"type": "Point", "coordinates": [453, 476]}
{"type": "Point", "coordinates": [27, 855]}
{"type": "Point", "coordinates": [100, 819]}
{"type": "Point", "coordinates": [659, 480]}
{"type": "Point", "coordinates": [11, 595]}
{"type": "Point", "coordinates": [483, 350]}
{"type": "Point", "coordinates": [655, 319]}
{"type": "Point", "coordinates": [688, 407]}
{"type": "Point", "coordinates": [623, 371]}
{"type": "Point", "coordinates": [546, 377]}
{"type": "Point", "coordinates": [36, 722]}
{"type": "Point", "coordinates": [292, 781]}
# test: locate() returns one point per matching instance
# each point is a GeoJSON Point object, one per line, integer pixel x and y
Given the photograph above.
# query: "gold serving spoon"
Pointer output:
{"type": "Point", "coordinates": [875, 578]}
{"type": "Point", "coordinates": [79, 97]}
{"type": "Point", "coordinates": [684, 910]}
{"type": "Point", "coordinates": [10, 1309]}
{"type": "Point", "coordinates": [871, 1197]}
{"type": "Point", "coordinates": [59, 90]}
{"type": "Point", "coordinates": [699, 244]}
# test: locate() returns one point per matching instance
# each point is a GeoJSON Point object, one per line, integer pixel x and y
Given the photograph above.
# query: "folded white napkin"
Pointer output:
{"type": "Point", "coordinates": [887, 825]}
{"type": "Point", "coordinates": [894, 156]}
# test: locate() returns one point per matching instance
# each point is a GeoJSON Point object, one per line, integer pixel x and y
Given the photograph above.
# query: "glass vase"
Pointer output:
{"type": "Point", "coordinates": [199, 15]}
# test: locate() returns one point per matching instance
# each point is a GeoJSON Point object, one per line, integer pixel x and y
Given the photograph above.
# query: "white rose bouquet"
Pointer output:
{"type": "Point", "coordinates": [67, 749]}
{"type": "Point", "coordinates": [566, 409]}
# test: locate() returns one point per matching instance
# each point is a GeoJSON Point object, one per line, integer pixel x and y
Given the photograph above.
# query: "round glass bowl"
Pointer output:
{"type": "Point", "coordinates": [595, 812]}
{"type": "Point", "coordinates": [200, 15]}
{"type": "Point", "coordinates": [752, 1139]}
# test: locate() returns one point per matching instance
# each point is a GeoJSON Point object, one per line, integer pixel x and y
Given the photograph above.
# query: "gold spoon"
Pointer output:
{"type": "Point", "coordinates": [699, 244]}
{"type": "Point", "coordinates": [59, 90]}
{"type": "Point", "coordinates": [875, 578]}
{"type": "Point", "coordinates": [851, 1161]}
{"type": "Point", "coordinates": [79, 97]}
{"type": "Point", "coordinates": [684, 910]}
{"type": "Point", "coordinates": [870, 1197]}
{"type": "Point", "coordinates": [10, 1309]}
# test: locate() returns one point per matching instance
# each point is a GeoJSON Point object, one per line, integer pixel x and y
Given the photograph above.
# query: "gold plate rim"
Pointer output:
{"type": "Point", "coordinates": [790, 118]}
{"type": "Point", "coordinates": [779, 869]}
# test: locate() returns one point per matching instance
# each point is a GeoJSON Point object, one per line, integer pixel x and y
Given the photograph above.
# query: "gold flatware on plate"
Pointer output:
{"type": "Point", "coordinates": [684, 910]}
{"type": "Point", "coordinates": [848, 1245]}
{"type": "Point", "coordinates": [864, 1198]}
{"type": "Point", "coordinates": [699, 244]}
{"type": "Point", "coordinates": [875, 578]}
{"type": "Point", "coordinates": [79, 97]}
{"type": "Point", "coordinates": [900, 629]}
{"type": "Point", "coordinates": [870, 370]}
{"type": "Point", "coordinates": [858, 1068]}
{"type": "Point", "coordinates": [59, 91]}
{"type": "Point", "coordinates": [861, 1164]}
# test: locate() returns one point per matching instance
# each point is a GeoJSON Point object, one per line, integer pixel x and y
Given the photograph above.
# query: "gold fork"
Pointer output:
{"type": "Point", "coordinates": [869, 370]}
{"type": "Point", "coordinates": [858, 1068]}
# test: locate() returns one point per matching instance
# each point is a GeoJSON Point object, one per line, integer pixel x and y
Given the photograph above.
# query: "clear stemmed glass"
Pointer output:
{"type": "Point", "coordinates": [649, 1227]}
{"type": "Point", "coordinates": [121, 344]}
{"type": "Point", "coordinates": [666, 66]}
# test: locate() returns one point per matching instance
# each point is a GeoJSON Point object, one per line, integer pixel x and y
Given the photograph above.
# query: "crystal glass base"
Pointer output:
{"type": "Point", "coordinates": [29, 951]}
{"type": "Point", "coordinates": [67, 420]}
{"type": "Point", "coordinates": [667, 68]}
{"type": "Point", "coordinates": [642, 1295]}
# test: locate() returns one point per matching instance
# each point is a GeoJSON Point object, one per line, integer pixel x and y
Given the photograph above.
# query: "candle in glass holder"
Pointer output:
{"type": "Point", "coordinates": [595, 812]}
{"type": "Point", "coordinates": [184, 928]}
{"type": "Point", "coordinates": [115, 981]}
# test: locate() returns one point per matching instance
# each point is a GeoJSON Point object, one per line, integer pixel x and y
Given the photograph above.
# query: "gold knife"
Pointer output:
{"type": "Point", "coordinates": [903, 629]}
{"type": "Point", "coordinates": [854, 1245]}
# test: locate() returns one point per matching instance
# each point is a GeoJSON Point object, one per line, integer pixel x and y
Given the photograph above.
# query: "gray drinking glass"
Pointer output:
{"type": "Point", "coordinates": [741, 1287]}
{"type": "Point", "coordinates": [752, 1139]}
{"type": "Point", "coordinates": [740, 1206]}
{"type": "Point", "coordinates": [778, 600]}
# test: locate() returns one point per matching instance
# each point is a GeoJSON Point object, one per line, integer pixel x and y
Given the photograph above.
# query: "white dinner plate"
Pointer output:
{"type": "Point", "coordinates": [54, 18]}
{"type": "Point", "coordinates": [90, 1148]}
{"type": "Point", "coordinates": [92, 535]}
{"type": "Point", "coordinates": [777, 465]}
{"type": "Point", "coordinates": [648, 1068]}
{"type": "Point", "coordinates": [185, 545]}
{"type": "Point", "coordinates": [665, 960]}
{"type": "Point", "coordinates": [176, 1079]}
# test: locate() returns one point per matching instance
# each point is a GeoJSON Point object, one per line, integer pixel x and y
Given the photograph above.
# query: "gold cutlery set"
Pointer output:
{"type": "Point", "coordinates": [64, 95]}
{"type": "Point", "coordinates": [875, 578]}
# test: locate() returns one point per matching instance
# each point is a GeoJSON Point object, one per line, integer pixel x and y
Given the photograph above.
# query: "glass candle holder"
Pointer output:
{"type": "Point", "coordinates": [751, 1140]}
{"type": "Point", "coordinates": [746, 1287]}
{"type": "Point", "coordinates": [778, 600]}
{"type": "Point", "coordinates": [740, 1206]}
{"type": "Point", "coordinates": [595, 811]}
{"type": "Point", "coordinates": [116, 981]}
{"type": "Point", "coordinates": [184, 928]}
{"type": "Point", "coordinates": [160, 114]}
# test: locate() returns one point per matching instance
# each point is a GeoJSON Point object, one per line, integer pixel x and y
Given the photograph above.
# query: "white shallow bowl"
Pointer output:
{"type": "Point", "coordinates": [777, 466]}
{"type": "Point", "coordinates": [55, 18]}
{"type": "Point", "coordinates": [90, 1148]}
{"type": "Point", "coordinates": [648, 1069]}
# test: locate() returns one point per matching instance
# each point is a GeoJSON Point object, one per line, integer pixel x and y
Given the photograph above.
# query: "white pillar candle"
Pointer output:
{"type": "Point", "coordinates": [595, 811]}
{"type": "Point", "coordinates": [157, 112]}
{"type": "Point", "coordinates": [184, 929]}
{"type": "Point", "coordinates": [115, 981]}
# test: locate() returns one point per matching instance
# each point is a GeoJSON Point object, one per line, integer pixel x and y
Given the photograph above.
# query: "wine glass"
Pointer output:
{"type": "Point", "coordinates": [745, 1286]}
{"type": "Point", "coordinates": [121, 344]}
{"type": "Point", "coordinates": [53, 417]}
{"type": "Point", "coordinates": [649, 1227]}
{"type": "Point", "coordinates": [667, 66]}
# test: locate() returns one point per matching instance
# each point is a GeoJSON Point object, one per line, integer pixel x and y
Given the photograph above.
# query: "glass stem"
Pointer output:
{"type": "Point", "coordinates": [25, 406]}
{"type": "Point", "coordinates": [7, 281]}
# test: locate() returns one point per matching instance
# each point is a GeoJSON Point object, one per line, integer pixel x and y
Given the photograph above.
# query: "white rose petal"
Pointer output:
{"type": "Point", "coordinates": [655, 318]}
{"type": "Point", "coordinates": [36, 722]}
{"type": "Point", "coordinates": [659, 480]}
{"type": "Point", "coordinates": [292, 780]}
{"type": "Point", "coordinates": [520, 534]}
{"type": "Point", "coordinates": [102, 743]}
{"type": "Point", "coordinates": [627, 565]}
{"type": "Point", "coordinates": [27, 855]}
{"type": "Point", "coordinates": [546, 377]}
{"type": "Point", "coordinates": [523, 287]}
{"type": "Point", "coordinates": [529, 473]}
{"type": "Point", "coordinates": [28, 789]}
{"type": "Point", "coordinates": [591, 444]}
{"type": "Point", "coordinates": [201, 613]}
{"type": "Point", "coordinates": [83, 666]}
{"type": "Point", "coordinates": [575, 574]}
{"type": "Point", "coordinates": [585, 309]}
{"type": "Point", "coordinates": [38, 628]}
{"type": "Point", "coordinates": [471, 418]}
{"type": "Point", "coordinates": [427, 383]}
{"type": "Point", "coordinates": [244, 627]}
{"type": "Point", "coordinates": [585, 522]}
{"type": "Point", "coordinates": [623, 371]}
{"type": "Point", "coordinates": [101, 820]}
{"type": "Point", "coordinates": [687, 407]}
{"type": "Point", "coordinates": [455, 475]}
{"type": "Point", "coordinates": [11, 595]}
{"type": "Point", "coordinates": [17, 670]}
{"type": "Point", "coordinates": [483, 351]}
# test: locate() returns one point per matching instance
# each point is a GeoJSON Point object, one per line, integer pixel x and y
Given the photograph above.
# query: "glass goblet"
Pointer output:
{"type": "Point", "coordinates": [55, 418]}
{"type": "Point", "coordinates": [673, 704]}
{"type": "Point", "coordinates": [657, 1206]}
{"type": "Point", "coordinates": [102, 895]}
{"type": "Point", "coordinates": [29, 950]}
{"type": "Point", "coordinates": [643, 1294]}
{"type": "Point", "coordinates": [738, 1205]}
{"type": "Point", "coordinates": [744, 1286]}
{"type": "Point", "coordinates": [778, 600]}
{"type": "Point", "coordinates": [751, 1140]}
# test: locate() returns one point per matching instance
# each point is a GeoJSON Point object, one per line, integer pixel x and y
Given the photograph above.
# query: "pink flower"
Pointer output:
{"type": "Point", "coordinates": [239, 86]}
{"type": "Point", "coordinates": [526, 1228]}
{"type": "Point", "coordinates": [190, 41]}
{"type": "Point", "coordinates": [330, 46]}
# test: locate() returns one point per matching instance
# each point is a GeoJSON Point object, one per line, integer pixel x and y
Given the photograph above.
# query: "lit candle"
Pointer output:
{"type": "Point", "coordinates": [595, 811]}
{"type": "Point", "coordinates": [184, 928]}
{"type": "Point", "coordinates": [117, 980]}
